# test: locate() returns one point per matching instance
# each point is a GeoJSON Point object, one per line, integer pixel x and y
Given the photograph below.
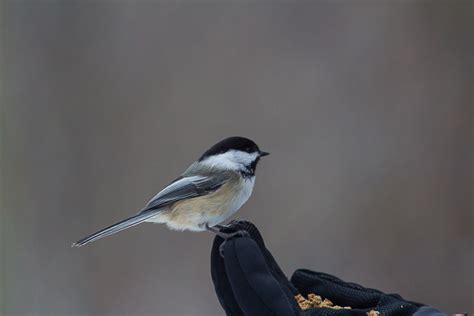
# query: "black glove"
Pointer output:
{"type": "Point", "coordinates": [248, 281]}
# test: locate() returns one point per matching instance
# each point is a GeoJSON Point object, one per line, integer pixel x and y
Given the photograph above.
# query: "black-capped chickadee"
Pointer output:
{"type": "Point", "coordinates": [210, 191]}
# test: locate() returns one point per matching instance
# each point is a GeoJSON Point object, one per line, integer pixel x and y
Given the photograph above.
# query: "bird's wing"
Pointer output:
{"type": "Point", "coordinates": [183, 188]}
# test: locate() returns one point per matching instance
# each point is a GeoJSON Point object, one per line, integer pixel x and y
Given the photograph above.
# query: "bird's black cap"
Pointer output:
{"type": "Point", "coordinates": [233, 143]}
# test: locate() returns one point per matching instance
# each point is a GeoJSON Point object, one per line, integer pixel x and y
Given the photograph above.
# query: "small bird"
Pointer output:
{"type": "Point", "coordinates": [211, 190]}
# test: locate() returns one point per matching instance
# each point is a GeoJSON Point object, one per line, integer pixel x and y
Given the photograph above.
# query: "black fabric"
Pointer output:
{"type": "Point", "coordinates": [249, 282]}
{"type": "Point", "coordinates": [249, 273]}
{"type": "Point", "coordinates": [351, 294]}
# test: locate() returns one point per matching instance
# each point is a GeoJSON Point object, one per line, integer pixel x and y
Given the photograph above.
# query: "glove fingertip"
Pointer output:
{"type": "Point", "coordinates": [255, 288]}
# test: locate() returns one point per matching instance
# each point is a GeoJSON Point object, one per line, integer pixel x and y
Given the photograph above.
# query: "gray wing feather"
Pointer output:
{"type": "Point", "coordinates": [115, 228]}
{"type": "Point", "coordinates": [183, 188]}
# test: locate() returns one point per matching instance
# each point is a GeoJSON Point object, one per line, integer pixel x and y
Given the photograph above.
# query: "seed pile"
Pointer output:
{"type": "Point", "coordinates": [314, 300]}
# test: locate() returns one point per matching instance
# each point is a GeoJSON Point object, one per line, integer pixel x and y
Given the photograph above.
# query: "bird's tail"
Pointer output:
{"type": "Point", "coordinates": [117, 227]}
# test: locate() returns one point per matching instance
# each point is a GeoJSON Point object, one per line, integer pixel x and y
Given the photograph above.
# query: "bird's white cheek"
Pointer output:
{"type": "Point", "coordinates": [231, 160]}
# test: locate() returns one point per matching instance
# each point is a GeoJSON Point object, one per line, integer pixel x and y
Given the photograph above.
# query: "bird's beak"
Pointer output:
{"type": "Point", "coordinates": [264, 153]}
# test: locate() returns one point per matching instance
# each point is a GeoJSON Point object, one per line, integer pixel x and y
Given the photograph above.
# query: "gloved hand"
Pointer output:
{"type": "Point", "coordinates": [249, 282]}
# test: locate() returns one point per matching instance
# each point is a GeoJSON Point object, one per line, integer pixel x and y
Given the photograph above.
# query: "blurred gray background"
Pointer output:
{"type": "Point", "coordinates": [365, 107]}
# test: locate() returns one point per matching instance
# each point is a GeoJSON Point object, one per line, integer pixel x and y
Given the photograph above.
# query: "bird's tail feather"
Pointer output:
{"type": "Point", "coordinates": [117, 227]}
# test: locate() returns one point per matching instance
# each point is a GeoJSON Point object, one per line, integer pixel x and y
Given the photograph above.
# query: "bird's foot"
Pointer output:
{"type": "Point", "coordinates": [216, 229]}
{"type": "Point", "coordinates": [232, 223]}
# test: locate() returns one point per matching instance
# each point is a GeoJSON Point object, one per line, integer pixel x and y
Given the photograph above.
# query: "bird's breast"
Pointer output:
{"type": "Point", "coordinates": [212, 208]}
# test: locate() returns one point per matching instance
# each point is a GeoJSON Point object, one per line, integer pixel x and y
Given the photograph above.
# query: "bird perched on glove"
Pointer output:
{"type": "Point", "coordinates": [211, 190]}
